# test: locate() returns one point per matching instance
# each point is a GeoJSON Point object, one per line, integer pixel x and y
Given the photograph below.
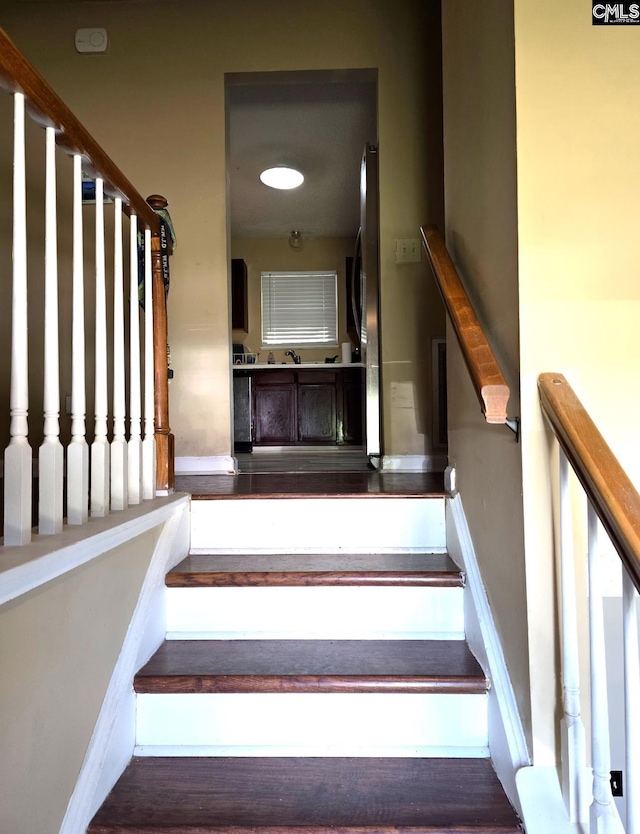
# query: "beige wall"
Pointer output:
{"type": "Point", "coordinates": [558, 255]}
{"type": "Point", "coordinates": [481, 223]}
{"type": "Point", "coordinates": [271, 254]}
{"type": "Point", "coordinates": [578, 186]}
{"type": "Point", "coordinates": [155, 101]}
{"type": "Point", "coordinates": [58, 648]}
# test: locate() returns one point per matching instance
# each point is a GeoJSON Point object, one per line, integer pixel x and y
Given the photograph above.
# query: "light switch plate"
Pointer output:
{"type": "Point", "coordinates": [408, 250]}
{"type": "Point", "coordinates": [91, 40]}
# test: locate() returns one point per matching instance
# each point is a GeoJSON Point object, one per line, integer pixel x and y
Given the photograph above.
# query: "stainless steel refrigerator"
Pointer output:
{"type": "Point", "coordinates": [365, 299]}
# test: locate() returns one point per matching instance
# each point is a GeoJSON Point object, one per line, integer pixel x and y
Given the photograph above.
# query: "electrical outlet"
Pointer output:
{"type": "Point", "coordinates": [408, 250]}
{"type": "Point", "coordinates": [616, 783]}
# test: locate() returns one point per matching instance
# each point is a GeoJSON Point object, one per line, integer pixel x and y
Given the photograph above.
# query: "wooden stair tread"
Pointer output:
{"type": "Point", "coordinates": [314, 485]}
{"type": "Point", "coordinates": [311, 666]}
{"type": "Point", "coordinates": [226, 570]}
{"type": "Point", "coordinates": [306, 796]}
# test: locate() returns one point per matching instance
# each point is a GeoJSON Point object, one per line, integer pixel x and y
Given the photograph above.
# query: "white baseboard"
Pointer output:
{"type": "Point", "coordinates": [414, 463]}
{"type": "Point", "coordinates": [507, 740]}
{"type": "Point", "coordinates": [212, 465]}
{"type": "Point", "coordinates": [113, 739]}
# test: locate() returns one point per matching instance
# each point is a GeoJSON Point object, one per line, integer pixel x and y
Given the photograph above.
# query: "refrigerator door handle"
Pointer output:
{"type": "Point", "coordinates": [354, 307]}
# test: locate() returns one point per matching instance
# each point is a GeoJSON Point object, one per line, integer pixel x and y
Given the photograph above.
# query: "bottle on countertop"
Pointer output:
{"type": "Point", "coordinates": [271, 360]}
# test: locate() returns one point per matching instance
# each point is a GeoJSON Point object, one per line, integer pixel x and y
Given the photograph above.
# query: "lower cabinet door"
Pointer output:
{"type": "Point", "coordinates": [317, 413]}
{"type": "Point", "coordinates": [275, 414]}
{"type": "Point", "coordinates": [352, 409]}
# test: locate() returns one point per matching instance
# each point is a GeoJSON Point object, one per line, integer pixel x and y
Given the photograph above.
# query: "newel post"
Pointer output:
{"type": "Point", "coordinates": [165, 478]}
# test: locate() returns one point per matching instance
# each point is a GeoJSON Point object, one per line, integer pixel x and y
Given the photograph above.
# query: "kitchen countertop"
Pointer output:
{"type": "Point", "coordinates": [304, 366]}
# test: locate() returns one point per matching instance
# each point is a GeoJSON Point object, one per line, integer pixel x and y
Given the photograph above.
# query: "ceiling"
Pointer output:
{"type": "Point", "coordinates": [316, 122]}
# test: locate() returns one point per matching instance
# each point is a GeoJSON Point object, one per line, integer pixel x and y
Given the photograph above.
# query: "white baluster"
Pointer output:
{"type": "Point", "coordinates": [603, 817]}
{"type": "Point", "coordinates": [135, 439]}
{"type": "Point", "coordinates": [51, 456]}
{"type": "Point", "coordinates": [632, 700]}
{"type": "Point", "coordinates": [575, 786]}
{"type": "Point", "coordinates": [100, 445]}
{"type": "Point", "coordinates": [17, 456]}
{"type": "Point", "coordinates": [119, 466]}
{"type": "Point", "coordinates": [149, 442]}
{"type": "Point", "coordinates": [77, 451]}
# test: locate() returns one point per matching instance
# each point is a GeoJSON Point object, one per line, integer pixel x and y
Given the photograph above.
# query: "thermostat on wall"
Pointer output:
{"type": "Point", "coordinates": [91, 40]}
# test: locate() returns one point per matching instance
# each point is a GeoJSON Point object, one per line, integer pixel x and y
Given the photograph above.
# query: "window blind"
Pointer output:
{"type": "Point", "coordinates": [299, 309]}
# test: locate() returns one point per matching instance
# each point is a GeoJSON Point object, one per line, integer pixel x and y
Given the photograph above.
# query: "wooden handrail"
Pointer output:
{"type": "Point", "coordinates": [611, 493]}
{"type": "Point", "coordinates": [491, 389]}
{"type": "Point", "coordinates": [44, 106]}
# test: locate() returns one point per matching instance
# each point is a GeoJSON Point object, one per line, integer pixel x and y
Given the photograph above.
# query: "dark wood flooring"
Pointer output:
{"type": "Point", "coordinates": [313, 484]}
{"type": "Point", "coordinates": [301, 459]}
{"type": "Point", "coordinates": [311, 666]}
{"type": "Point", "coordinates": [407, 569]}
{"type": "Point", "coordinates": [306, 796]}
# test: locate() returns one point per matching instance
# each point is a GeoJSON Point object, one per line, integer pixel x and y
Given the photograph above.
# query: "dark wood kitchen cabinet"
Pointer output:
{"type": "Point", "coordinates": [316, 395]}
{"type": "Point", "coordinates": [274, 397]}
{"type": "Point", "coordinates": [307, 407]}
{"type": "Point", "coordinates": [239, 295]}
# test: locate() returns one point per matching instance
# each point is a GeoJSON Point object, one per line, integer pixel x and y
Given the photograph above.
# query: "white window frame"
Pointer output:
{"type": "Point", "coordinates": [288, 328]}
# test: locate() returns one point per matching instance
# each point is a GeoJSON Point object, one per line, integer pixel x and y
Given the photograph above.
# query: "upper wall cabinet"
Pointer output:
{"type": "Point", "coordinates": [239, 295]}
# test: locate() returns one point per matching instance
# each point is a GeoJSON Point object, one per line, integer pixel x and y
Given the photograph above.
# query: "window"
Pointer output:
{"type": "Point", "coordinates": [299, 309]}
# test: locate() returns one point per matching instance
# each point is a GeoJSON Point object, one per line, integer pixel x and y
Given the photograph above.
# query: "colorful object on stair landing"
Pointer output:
{"type": "Point", "coordinates": [167, 231]}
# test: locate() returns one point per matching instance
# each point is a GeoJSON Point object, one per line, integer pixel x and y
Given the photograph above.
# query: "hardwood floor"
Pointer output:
{"type": "Point", "coordinates": [299, 460]}
{"type": "Point", "coordinates": [341, 472]}
{"type": "Point", "coordinates": [312, 666]}
{"type": "Point", "coordinates": [313, 484]}
{"type": "Point", "coordinates": [436, 570]}
{"type": "Point", "coordinates": [306, 796]}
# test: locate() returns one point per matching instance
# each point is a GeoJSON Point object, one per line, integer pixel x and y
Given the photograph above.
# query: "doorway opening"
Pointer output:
{"type": "Point", "coordinates": [307, 396]}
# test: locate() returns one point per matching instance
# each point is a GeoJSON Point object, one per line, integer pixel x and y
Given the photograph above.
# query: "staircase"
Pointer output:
{"type": "Point", "coordinates": [314, 678]}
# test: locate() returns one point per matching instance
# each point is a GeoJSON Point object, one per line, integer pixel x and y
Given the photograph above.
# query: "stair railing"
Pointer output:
{"type": "Point", "coordinates": [116, 471]}
{"type": "Point", "coordinates": [614, 502]}
{"type": "Point", "coordinates": [487, 378]}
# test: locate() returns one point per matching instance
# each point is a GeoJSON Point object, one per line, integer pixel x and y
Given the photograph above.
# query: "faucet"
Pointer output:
{"type": "Point", "coordinates": [294, 356]}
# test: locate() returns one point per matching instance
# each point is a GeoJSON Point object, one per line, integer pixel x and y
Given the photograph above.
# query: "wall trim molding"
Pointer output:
{"type": "Point", "coordinates": [414, 463]}
{"type": "Point", "coordinates": [113, 739]}
{"type": "Point", "coordinates": [47, 557]}
{"type": "Point", "coordinates": [209, 465]}
{"type": "Point", "coordinates": [507, 740]}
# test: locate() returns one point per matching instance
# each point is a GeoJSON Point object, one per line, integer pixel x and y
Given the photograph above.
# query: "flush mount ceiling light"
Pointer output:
{"type": "Point", "coordinates": [282, 177]}
{"type": "Point", "coordinates": [295, 239]}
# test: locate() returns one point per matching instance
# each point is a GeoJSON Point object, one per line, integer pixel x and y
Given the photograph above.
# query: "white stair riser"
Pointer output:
{"type": "Point", "coordinates": [315, 612]}
{"type": "Point", "coordinates": [293, 525]}
{"type": "Point", "coordinates": [333, 723]}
